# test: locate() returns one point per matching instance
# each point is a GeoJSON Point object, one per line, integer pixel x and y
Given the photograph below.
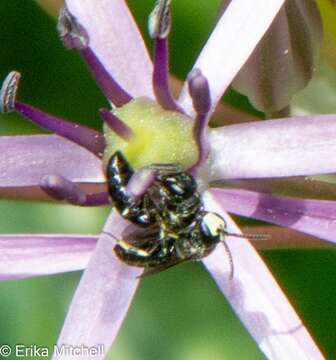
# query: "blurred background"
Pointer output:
{"type": "Point", "coordinates": [178, 314]}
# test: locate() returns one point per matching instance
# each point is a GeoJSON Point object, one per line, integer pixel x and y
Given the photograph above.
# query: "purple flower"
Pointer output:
{"type": "Point", "coordinates": [117, 58]}
{"type": "Point", "coordinates": [284, 60]}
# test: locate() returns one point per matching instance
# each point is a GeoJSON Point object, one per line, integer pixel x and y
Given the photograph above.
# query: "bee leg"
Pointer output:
{"type": "Point", "coordinates": [60, 188]}
{"type": "Point", "coordinates": [118, 174]}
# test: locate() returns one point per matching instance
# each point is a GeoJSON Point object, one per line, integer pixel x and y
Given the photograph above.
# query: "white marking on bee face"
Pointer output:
{"type": "Point", "coordinates": [214, 223]}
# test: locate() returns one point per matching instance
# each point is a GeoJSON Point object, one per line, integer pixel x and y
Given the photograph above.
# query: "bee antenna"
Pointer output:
{"type": "Point", "coordinates": [230, 258]}
{"type": "Point", "coordinates": [249, 236]}
{"type": "Point", "coordinates": [109, 234]}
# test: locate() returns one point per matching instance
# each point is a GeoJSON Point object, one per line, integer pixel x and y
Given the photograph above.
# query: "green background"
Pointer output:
{"type": "Point", "coordinates": [178, 314]}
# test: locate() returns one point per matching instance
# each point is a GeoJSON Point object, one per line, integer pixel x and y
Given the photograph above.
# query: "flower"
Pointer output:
{"type": "Point", "coordinates": [284, 60]}
{"type": "Point", "coordinates": [96, 314]}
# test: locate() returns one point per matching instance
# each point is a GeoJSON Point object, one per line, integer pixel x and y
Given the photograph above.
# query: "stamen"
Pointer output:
{"type": "Point", "coordinates": [140, 181]}
{"type": "Point", "coordinates": [159, 21]}
{"type": "Point", "coordinates": [8, 92]}
{"type": "Point", "coordinates": [199, 91]}
{"type": "Point", "coordinates": [116, 125]}
{"type": "Point", "coordinates": [60, 188]}
{"type": "Point", "coordinates": [200, 94]}
{"type": "Point", "coordinates": [88, 138]}
{"type": "Point", "coordinates": [71, 31]}
{"type": "Point", "coordinates": [73, 35]}
{"type": "Point", "coordinates": [159, 24]}
{"type": "Point", "coordinates": [111, 89]}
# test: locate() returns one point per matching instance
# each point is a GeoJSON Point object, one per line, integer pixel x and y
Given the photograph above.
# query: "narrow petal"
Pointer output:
{"type": "Point", "coordinates": [285, 59]}
{"type": "Point", "coordinates": [296, 186]}
{"type": "Point", "coordinates": [23, 256]}
{"type": "Point", "coordinates": [231, 43]}
{"type": "Point", "coordinates": [257, 299]}
{"type": "Point", "coordinates": [25, 159]}
{"type": "Point", "coordinates": [116, 42]}
{"type": "Point", "coordinates": [314, 217]}
{"type": "Point", "coordinates": [275, 148]}
{"type": "Point", "coordinates": [102, 297]}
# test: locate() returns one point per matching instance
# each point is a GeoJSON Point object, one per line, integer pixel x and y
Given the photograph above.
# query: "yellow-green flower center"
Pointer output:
{"type": "Point", "coordinates": [160, 136]}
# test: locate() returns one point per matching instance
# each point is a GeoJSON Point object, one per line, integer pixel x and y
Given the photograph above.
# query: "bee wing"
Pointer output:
{"type": "Point", "coordinates": [164, 266]}
{"type": "Point", "coordinates": [138, 236]}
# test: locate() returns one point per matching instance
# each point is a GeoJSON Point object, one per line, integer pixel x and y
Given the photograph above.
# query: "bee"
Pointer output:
{"type": "Point", "coordinates": [169, 223]}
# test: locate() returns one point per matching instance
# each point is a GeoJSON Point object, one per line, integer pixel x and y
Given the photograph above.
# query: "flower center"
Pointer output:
{"type": "Point", "coordinates": [159, 135]}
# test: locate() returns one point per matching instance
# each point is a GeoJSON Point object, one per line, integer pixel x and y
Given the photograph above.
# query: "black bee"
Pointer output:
{"type": "Point", "coordinates": [171, 225]}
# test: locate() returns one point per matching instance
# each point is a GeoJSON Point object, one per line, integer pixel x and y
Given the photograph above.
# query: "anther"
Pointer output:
{"type": "Point", "coordinates": [159, 21]}
{"type": "Point", "coordinates": [71, 32]}
{"type": "Point", "coordinates": [159, 24]}
{"type": "Point", "coordinates": [200, 94]}
{"type": "Point", "coordinates": [140, 181]}
{"type": "Point", "coordinates": [89, 139]}
{"type": "Point", "coordinates": [74, 35]}
{"type": "Point", "coordinates": [8, 92]}
{"type": "Point", "coordinates": [60, 188]}
{"type": "Point", "coordinates": [199, 91]}
{"type": "Point", "coordinates": [116, 125]}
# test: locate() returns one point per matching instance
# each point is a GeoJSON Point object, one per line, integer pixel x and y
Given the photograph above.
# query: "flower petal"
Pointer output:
{"type": "Point", "coordinates": [103, 295]}
{"type": "Point", "coordinates": [314, 217]}
{"type": "Point", "coordinates": [285, 59]}
{"type": "Point", "coordinates": [275, 148]}
{"type": "Point", "coordinates": [25, 159]}
{"type": "Point", "coordinates": [296, 186]}
{"type": "Point", "coordinates": [23, 256]}
{"type": "Point", "coordinates": [116, 41]}
{"type": "Point", "coordinates": [257, 299]}
{"type": "Point", "coordinates": [231, 43]}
